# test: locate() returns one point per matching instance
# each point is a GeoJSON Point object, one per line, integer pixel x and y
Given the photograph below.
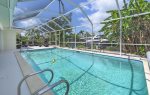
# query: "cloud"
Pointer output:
{"type": "Point", "coordinates": [83, 6]}
{"type": "Point", "coordinates": [77, 11]}
{"type": "Point", "coordinates": [27, 23]}
{"type": "Point", "coordinates": [96, 18]}
{"type": "Point", "coordinates": [98, 10]}
{"type": "Point", "coordinates": [23, 33]}
{"type": "Point", "coordinates": [104, 5]}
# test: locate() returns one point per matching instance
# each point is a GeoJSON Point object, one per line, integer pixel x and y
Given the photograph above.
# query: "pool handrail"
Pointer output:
{"type": "Point", "coordinates": [27, 76]}
{"type": "Point", "coordinates": [54, 85]}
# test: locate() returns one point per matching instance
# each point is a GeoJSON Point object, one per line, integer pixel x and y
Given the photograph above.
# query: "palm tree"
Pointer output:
{"type": "Point", "coordinates": [81, 33]}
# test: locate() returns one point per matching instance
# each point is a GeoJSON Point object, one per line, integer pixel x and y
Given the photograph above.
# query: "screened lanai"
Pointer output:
{"type": "Point", "coordinates": [55, 17]}
{"type": "Point", "coordinates": [97, 47]}
{"type": "Point", "coordinates": [59, 17]}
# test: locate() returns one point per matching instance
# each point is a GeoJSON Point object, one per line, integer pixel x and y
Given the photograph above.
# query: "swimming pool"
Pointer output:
{"type": "Point", "coordinates": [89, 74]}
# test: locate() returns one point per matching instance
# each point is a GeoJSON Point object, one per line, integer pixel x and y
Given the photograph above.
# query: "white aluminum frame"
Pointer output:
{"type": "Point", "coordinates": [135, 15]}
{"type": "Point", "coordinates": [92, 25]}
{"type": "Point", "coordinates": [120, 26]}
{"type": "Point", "coordinates": [45, 8]}
{"type": "Point", "coordinates": [76, 8]}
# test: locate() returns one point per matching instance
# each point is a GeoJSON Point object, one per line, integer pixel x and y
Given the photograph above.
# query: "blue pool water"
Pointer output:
{"type": "Point", "coordinates": [89, 74]}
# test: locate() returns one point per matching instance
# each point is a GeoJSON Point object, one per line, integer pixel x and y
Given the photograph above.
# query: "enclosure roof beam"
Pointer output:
{"type": "Point", "coordinates": [45, 8]}
{"type": "Point", "coordinates": [40, 29]}
{"type": "Point", "coordinates": [69, 28]}
{"type": "Point", "coordinates": [44, 29]}
{"type": "Point", "coordinates": [74, 4]}
{"type": "Point", "coordinates": [135, 15]}
{"type": "Point", "coordinates": [61, 15]}
{"type": "Point", "coordinates": [50, 27]}
{"type": "Point", "coordinates": [32, 12]}
{"type": "Point", "coordinates": [57, 24]}
{"type": "Point", "coordinates": [66, 19]}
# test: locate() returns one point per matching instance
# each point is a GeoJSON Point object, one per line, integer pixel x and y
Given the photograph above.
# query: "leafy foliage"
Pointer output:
{"type": "Point", "coordinates": [136, 30]}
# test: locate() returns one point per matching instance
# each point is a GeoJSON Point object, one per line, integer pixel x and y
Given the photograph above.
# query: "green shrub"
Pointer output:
{"type": "Point", "coordinates": [112, 48]}
{"type": "Point", "coordinates": [80, 46]}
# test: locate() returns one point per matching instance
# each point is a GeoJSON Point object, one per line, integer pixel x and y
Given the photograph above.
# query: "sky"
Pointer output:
{"type": "Point", "coordinates": [96, 11]}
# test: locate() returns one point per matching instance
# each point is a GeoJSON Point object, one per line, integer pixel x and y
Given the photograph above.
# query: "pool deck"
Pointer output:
{"type": "Point", "coordinates": [10, 75]}
{"type": "Point", "coordinates": [11, 72]}
{"type": "Point", "coordinates": [34, 83]}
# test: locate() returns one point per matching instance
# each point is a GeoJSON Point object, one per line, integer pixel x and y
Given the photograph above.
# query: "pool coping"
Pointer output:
{"type": "Point", "coordinates": [34, 83]}
{"type": "Point", "coordinates": [137, 58]}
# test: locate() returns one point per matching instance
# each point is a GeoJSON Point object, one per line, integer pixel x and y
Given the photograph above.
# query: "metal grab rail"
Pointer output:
{"type": "Point", "coordinates": [27, 76]}
{"type": "Point", "coordinates": [56, 84]}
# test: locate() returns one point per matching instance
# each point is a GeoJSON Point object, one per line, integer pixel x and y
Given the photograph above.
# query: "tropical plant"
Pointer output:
{"type": "Point", "coordinates": [81, 33]}
{"type": "Point", "coordinates": [135, 30]}
{"type": "Point", "coordinates": [21, 40]}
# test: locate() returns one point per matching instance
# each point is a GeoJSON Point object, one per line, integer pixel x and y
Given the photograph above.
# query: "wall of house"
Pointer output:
{"type": "Point", "coordinates": [7, 40]}
{"type": "Point", "coordinates": [7, 35]}
{"type": "Point", "coordinates": [1, 40]}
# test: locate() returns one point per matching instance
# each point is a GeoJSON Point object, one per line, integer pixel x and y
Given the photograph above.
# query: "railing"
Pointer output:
{"type": "Point", "coordinates": [46, 88]}
{"type": "Point", "coordinates": [27, 76]}
{"type": "Point", "coordinates": [54, 85]}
